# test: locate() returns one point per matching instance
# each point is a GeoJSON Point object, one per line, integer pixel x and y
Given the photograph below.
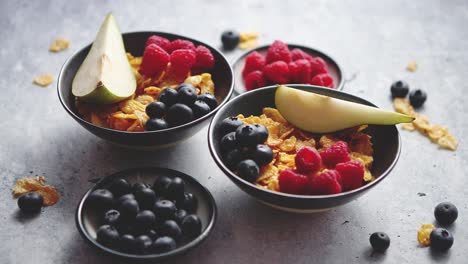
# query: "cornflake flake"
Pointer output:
{"type": "Point", "coordinates": [44, 80]}
{"type": "Point", "coordinates": [59, 45]}
{"type": "Point", "coordinates": [37, 184]}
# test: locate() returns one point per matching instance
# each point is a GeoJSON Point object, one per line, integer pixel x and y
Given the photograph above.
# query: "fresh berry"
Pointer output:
{"type": "Point", "coordinates": [100, 199]}
{"type": "Point", "coordinates": [209, 99]}
{"type": "Point", "coordinates": [179, 114]}
{"type": "Point", "coordinates": [187, 94]}
{"type": "Point", "coordinates": [143, 243]}
{"type": "Point", "coordinates": [253, 62]}
{"type": "Point", "coordinates": [318, 66]}
{"type": "Point", "coordinates": [144, 220]}
{"type": "Point", "coordinates": [108, 236]}
{"type": "Point", "coordinates": [248, 135]}
{"type": "Point", "coordinates": [188, 202]}
{"type": "Point", "coordinates": [180, 215]}
{"type": "Point", "coordinates": [160, 185]}
{"type": "Point", "coordinates": [168, 96]}
{"type": "Point", "coordinates": [182, 61]}
{"type": "Point", "coordinates": [154, 124]}
{"type": "Point", "coordinates": [323, 79]}
{"type": "Point", "coordinates": [298, 54]}
{"type": "Point", "coordinates": [262, 155]}
{"type": "Point", "coordinates": [191, 226]}
{"type": "Point", "coordinates": [335, 154]}
{"type": "Point", "coordinates": [200, 108]}
{"type": "Point", "coordinates": [139, 185]}
{"type": "Point", "coordinates": [278, 51]}
{"type": "Point", "coordinates": [30, 202]}
{"type": "Point", "coordinates": [112, 217]}
{"type": "Point", "coordinates": [261, 132]}
{"type": "Point", "coordinates": [170, 228]}
{"type": "Point", "coordinates": [292, 182]}
{"type": "Point", "coordinates": [160, 41]}
{"type": "Point", "coordinates": [254, 80]}
{"type": "Point", "coordinates": [232, 158]}
{"type": "Point", "coordinates": [152, 234]}
{"type": "Point", "coordinates": [417, 98]}
{"type": "Point", "coordinates": [205, 59]}
{"type": "Point", "coordinates": [179, 44]}
{"type": "Point", "coordinates": [379, 241]}
{"type": "Point", "coordinates": [277, 72]}
{"type": "Point", "coordinates": [128, 209]}
{"type": "Point", "coordinates": [164, 209]}
{"type": "Point", "coordinates": [300, 71]}
{"type": "Point", "coordinates": [308, 160]}
{"type": "Point", "coordinates": [176, 188]}
{"type": "Point", "coordinates": [399, 89]}
{"type": "Point", "coordinates": [125, 197]}
{"type": "Point", "coordinates": [441, 239]}
{"type": "Point", "coordinates": [145, 198]}
{"type": "Point", "coordinates": [248, 170]}
{"type": "Point", "coordinates": [446, 213]}
{"type": "Point", "coordinates": [228, 142]}
{"type": "Point", "coordinates": [230, 39]}
{"type": "Point", "coordinates": [352, 174]}
{"type": "Point", "coordinates": [163, 244]}
{"type": "Point", "coordinates": [154, 60]}
{"type": "Point", "coordinates": [327, 182]}
{"type": "Point", "coordinates": [127, 243]}
{"type": "Point", "coordinates": [119, 187]}
{"type": "Point", "coordinates": [156, 109]}
{"type": "Point", "coordinates": [229, 124]}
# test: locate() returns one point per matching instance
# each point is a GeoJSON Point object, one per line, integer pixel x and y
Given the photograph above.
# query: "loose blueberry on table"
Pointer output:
{"type": "Point", "coordinates": [379, 241]}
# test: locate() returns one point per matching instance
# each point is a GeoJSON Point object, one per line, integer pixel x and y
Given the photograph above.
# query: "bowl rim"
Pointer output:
{"type": "Point", "coordinates": [195, 121]}
{"type": "Point", "coordinates": [276, 194]}
{"type": "Point", "coordinates": [180, 250]}
{"type": "Point", "coordinates": [320, 53]}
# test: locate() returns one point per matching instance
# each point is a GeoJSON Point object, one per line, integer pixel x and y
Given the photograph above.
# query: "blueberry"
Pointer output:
{"type": "Point", "coordinates": [124, 197]}
{"type": "Point", "coordinates": [100, 199]}
{"type": "Point", "coordinates": [191, 226]}
{"type": "Point", "coordinates": [163, 244]}
{"type": "Point", "coordinates": [188, 202]}
{"type": "Point", "coordinates": [262, 133]}
{"type": "Point", "coordinates": [144, 220]}
{"type": "Point", "coordinates": [247, 135]}
{"type": "Point", "coordinates": [30, 202]}
{"type": "Point", "coordinates": [417, 98]}
{"type": "Point", "coordinates": [180, 215]}
{"type": "Point", "coordinates": [187, 94]}
{"type": "Point", "coordinates": [230, 39]}
{"type": "Point", "coordinates": [248, 170]}
{"type": "Point", "coordinates": [160, 185]}
{"type": "Point", "coordinates": [127, 243]}
{"type": "Point", "coordinates": [111, 217]}
{"type": "Point", "coordinates": [152, 234]}
{"type": "Point", "coordinates": [108, 236]}
{"type": "Point", "coordinates": [399, 89]}
{"type": "Point", "coordinates": [200, 108]}
{"type": "Point", "coordinates": [379, 241]}
{"type": "Point", "coordinates": [232, 158]}
{"type": "Point", "coordinates": [164, 209]}
{"type": "Point", "coordinates": [262, 155]}
{"type": "Point", "coordinates": [441, 239]}
{"type": "Point", "coordinates": [168, 96]}
{"type": "Point", "coordinates": [171, 229]}
{"type": "Point", "coordinates": [143, 243]}
{"type": "Point", "coordinates": [128, 209]}
{"type": "Point", "coordinates": [156, 109]}
{"type": "Point", "coordinates": [228, 142]}
{"type": "Point", "coordinates": [446, 213]}
{"type": "Point", "coordinates": [176, 188]}
{"type": "Point", "coordinates": [209, 99]}
{"type": "Point", "coordinates": [155, 124]}
{"type": "Point", "coordinates": [139, 185]}
{"type": "Point", "coordinates": [229, 124]}
{"type": "Point", "coordinates": [119, 187]}
{"type": "Point", "coordinates": [179, 114]}
{"type": "Point", "coordinates": [146, 198]}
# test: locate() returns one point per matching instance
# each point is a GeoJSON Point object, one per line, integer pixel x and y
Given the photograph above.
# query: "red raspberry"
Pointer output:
{"type": "Point", "coordinates": [182, 61]}
{"type": "Point", "coordinates": [154, 61]}
{"type": "Point", "coordinates": [205, 59]}
{"type": "Point", "coordinates": [254, 80]}
{"type": "Point", "coordinates": [299, 71]}
{"type": "Point", "coordinates": [335, 154]}
{"type": "Point", "coordinates": [327, 182]}
{"type": "Point", "coordinates": [160, 41]}
{"type": "Point", "coordinates": [308, 160]}
{"type": "Point", "coordinates": [277, 72]}
{"type": "Point", "coordinates": [253, 62]}
{"type": "Point", "coordinates": [324, 80]}
{"type": "Point", "coordinates": [298, 54]}
{"type": "Point", "coordinates": [318, 65]}
{"type": "Point", "coordinates": [181, 44]}
{"type": "Point", "coordinates": [292, 182]}
{"type": "Point", "coordinates": [352, 173]}
{"type": "Point", "coordinates": [278, 51]}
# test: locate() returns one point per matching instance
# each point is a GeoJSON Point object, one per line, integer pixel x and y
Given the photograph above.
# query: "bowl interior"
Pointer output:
{"type": "Point", "coordinates": [88, 221]}
{"type": "Point", "coordinates": [334, 69]}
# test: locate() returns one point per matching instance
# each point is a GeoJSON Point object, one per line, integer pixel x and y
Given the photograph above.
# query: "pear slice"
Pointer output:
{"type": "Point", "coordinates": [105, 76]}
{"type": "Point", "coordinates": [322, 114]}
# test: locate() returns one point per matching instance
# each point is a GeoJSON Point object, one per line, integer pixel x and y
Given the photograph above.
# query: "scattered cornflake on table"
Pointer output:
{"type": "Point", "coordinates": [44, 80]}
{"type": "Point", "coordinates": [424, 234]}
{"type": "Point", "coordinates": [412, 66]}
{"type": "Point", "coordinates": [248, 40]}
{"type": "Point", "coordinates": [59, 45]}
{"type": "Point", "coordinates": [37, 184]}
{"type": "Point", "coordinates": [436, 133]}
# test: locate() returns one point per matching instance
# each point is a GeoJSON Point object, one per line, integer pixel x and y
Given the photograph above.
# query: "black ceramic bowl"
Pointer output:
{"type": "Point", "coordinates": [87, 221]}
{"type": "Point", "coordinates": [134, 43]}
{"type": "Point", "coordinates": [386, 142]}
{"type": "Point", "coordinates": [335, 71]}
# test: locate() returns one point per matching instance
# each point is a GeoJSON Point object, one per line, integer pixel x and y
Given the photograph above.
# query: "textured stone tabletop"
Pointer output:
{"type": "Point", "coordinates": [372, 40]}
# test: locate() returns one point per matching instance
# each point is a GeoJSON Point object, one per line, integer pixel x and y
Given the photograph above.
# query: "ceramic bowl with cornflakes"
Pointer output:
{"type": "Point", "coordinates": [126, 122]}
{"type": "Point", "coordinates": [375, 148]}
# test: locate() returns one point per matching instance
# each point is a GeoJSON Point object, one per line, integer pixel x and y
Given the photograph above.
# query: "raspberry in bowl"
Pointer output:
{"type": "Point", "coordinates": [282, 63]}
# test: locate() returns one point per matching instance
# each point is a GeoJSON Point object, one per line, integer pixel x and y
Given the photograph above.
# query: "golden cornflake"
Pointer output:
{"type": "Point", "coordinates": [248, 40]}
{"type": "Point", "coordinates": [424, 233]}
{"type": "Point", "coordinates": [249, 44]}
{"type": "Point", "coordinates": [59, 45]}
{"type": "Point", "coordinates": [245, 36]}
{"type": "Point", "coordinates": [37, 184]}
{"type": "Point", "coordinates": [412, 66]}
{"type": "Point", "coordinates": [50, 194]}
{"type": "Point", "coordinates": [44, 79]}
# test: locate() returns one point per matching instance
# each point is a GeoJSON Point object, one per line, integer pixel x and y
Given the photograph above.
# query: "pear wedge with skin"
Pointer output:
{"type": "Point", "coordinates": [323, 114]}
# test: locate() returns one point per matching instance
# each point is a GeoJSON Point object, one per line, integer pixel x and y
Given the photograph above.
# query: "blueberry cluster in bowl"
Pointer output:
{"type": "Point", "coordinates": [145, 219]}
{"type": "Point", "coordinates": [178, 106]}
{"type": "Point", "coordinates": [243, 147]}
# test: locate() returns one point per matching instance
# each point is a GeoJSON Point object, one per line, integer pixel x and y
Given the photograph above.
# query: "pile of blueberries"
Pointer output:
{"type": "Point", "coordinates": [243, 149]}
{"type": "Point", "coordinates": [144, 219]}
{"type": "Point", "coordinates": [401, 89]}
{"type": "Point", "coordinates": [178, 106]}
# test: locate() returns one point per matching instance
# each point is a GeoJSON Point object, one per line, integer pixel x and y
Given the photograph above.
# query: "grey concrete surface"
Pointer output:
{"type": "Point", "coordinates": [373, 40]}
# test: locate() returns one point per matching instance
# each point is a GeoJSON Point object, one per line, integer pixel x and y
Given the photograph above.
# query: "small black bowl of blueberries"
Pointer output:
{"type": "Point", "coordinates": [146, 213]}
